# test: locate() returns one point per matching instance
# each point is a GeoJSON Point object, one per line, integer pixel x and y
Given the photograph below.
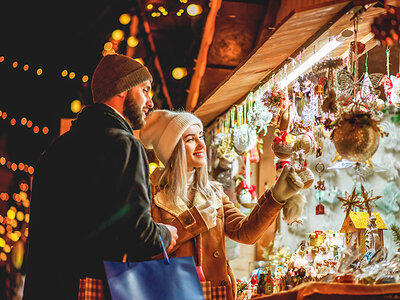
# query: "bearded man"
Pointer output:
{"type": "Point", "coordinates": [91, 191]}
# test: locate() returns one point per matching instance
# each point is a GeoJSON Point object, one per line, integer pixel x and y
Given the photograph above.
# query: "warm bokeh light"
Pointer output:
{"type": "Point", "coordinates": [108, 46]}
{"type": "Point", "coordinates": [29, 124]}
{"type": "Point", "coordinates": [7, 248]}
{"type": "Point", "coordinates": [149, 7]}
{"type": "Point", "coordinates": [2, 230]}
{"type": "Point", "coordinates": [14, 167]}
{"type": "Point", "coordinates": [31, 170]}
{"type": "Point", "coordinates": [179, 73]}
{"type": "Point", "coordinates": [25, 68]}
{"type": "Point", "coordinates": [85, 78]}
{"type": "Point", "coordinates": [72, 75]}
{"type": "Point", "coordinates": [11, 214]}
{"type": "Point", "coordinates": [45, 130]}
{"type": "Point", "coordinates": [2, 242]}
{"type": "Point", "coordinates": [194, 10]}
{"type": "Point", "coordinates": [22, 195]}
{"type": "Point", "coordinates": [1, 59]}
{"type": "Point", "coordinates": [39, 71]}
{"type": "Point", "coordinates": [21, 166]}
{"type": "Point", "coordinates": [117, 35]}
{"type": "Point", "coordinates": [76, 106]}
{"type": "Point", "coordinates": [4, 115]}
{"type": "Point", "coordinates": [26, 203]}
{"type": "Point", "coordinates": [13, 122]}
{"type": "Point", "coordinates": [2, 160]}
{"type": "Point", "coordinates": [36, 129]}
{"type": "Point", "coordinates": [15, 64]}
{"type": "Point", "coordinates": [64, 73]}
{"type": "Point", "coordinates": [23, 186]}
{"type": "Point", "coordinates": [20, 216]}
{"type": "Point", "coordinates": [124, 19]}
{"type": "Point", "coordinates": [3, 256]}
{"type": "Point", "coordinates": [132, 41]}
{"type": "Point", "coordinates": [27, 218]}
{"type": "Point", "coordinates": [23, 121]}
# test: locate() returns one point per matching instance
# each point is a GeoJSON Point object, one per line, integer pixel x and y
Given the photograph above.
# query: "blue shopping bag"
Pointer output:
{"type": "Point", "coordinates": [166, 279]}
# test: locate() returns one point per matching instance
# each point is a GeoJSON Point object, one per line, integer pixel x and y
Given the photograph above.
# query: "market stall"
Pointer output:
{"type": "Point", "coordinates": [321, 94]}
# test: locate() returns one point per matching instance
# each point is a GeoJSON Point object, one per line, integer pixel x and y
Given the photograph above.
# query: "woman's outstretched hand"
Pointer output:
{"type": "Point", "coordinates": [287, 185]}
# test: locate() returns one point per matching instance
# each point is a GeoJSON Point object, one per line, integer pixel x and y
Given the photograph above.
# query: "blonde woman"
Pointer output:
{"type": "Point", "coordinates": [198, 207]}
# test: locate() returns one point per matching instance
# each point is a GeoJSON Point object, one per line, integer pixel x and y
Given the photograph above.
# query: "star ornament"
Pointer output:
{"type": "Point", "coordinates": [350, 201]}
{"type": "Point", "coordinates": [368, 200]}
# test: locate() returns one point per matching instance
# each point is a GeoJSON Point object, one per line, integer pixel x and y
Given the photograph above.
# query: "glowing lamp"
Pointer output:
{"type": "Point", "coordinates": [124, 19]}
{"type": "Point", "coordinates": [179, 73]}
{"type": "Point", "coordinates": [117, 35]}
{"type": "Point", "coordinates": [132, 41]}
{"type": "Point", "coordinates": [11, 214]}
{"type": "Point", "coordinates": [194, 10]}
{"type": "Point", "coordinates": [76, 106]}
{"type": "Point", "coordinates": [85, 78]}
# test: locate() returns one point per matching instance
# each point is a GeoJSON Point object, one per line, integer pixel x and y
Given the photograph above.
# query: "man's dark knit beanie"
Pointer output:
{"type": "Point", "coordinates": [116, 74]}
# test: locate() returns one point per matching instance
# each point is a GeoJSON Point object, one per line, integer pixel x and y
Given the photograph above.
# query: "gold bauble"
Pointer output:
{"type": "Point", "coordinates": [307, 143]}
{"type": "Point", "coordinates": [356, 139]}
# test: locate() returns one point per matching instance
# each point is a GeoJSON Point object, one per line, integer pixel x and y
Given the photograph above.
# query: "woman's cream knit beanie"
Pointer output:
{"type": "Point", "coordinates": [163, 129]}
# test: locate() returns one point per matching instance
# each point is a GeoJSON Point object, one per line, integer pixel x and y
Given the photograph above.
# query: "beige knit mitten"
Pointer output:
{"type": "Point", "coordinates": [287, 185]}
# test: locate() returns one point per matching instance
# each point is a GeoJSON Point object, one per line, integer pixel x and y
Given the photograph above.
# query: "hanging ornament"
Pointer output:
{"type": "Point", "coordinates": [306, 142]}
{"type": "Point", "coordinates": [299, 163]}
{"type": "Point", "coordinates": [244, 139]}
{"type": "Point", "coordinates": [350, 201]}
{"type": "Point", "coordinates": [320, 209]}
{"type": "Point", "coordinates": [356, 137]}
{"type": "Point", "coordinates": [283, 144]}
{"type": "Point", "coordinates": [360, 48]}
{"type": "Point", "coordinates": [274, 99]}
{"type": "Point", "coordinates": [259, 117]}
{"type": "Point", "coordinates": [395, 90]}
{"type": "Point", "coordinates": [368, 200]}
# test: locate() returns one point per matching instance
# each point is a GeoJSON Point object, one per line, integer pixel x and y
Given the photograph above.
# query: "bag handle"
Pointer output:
{"type": "Point", "coordinates": [163, 248]}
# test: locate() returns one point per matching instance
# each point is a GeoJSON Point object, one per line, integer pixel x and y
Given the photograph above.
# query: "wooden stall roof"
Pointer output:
{"type": "Point", "coordinates": [300, 29]}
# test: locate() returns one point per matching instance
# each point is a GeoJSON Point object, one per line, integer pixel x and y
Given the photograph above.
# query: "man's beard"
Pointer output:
{"type": "Point", "coordinates": [133, 112]}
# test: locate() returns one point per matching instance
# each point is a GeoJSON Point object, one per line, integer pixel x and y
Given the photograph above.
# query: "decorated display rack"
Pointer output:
{"type": "Point", "coordinates": [328, 106]}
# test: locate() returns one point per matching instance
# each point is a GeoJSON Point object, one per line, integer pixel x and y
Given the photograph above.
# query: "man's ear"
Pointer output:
{"type": "Point", "coordinates": [122, 95]}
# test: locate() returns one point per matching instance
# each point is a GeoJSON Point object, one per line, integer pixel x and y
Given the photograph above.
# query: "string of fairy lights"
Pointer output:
{"type": "Point", "coordinates": [14, 224]}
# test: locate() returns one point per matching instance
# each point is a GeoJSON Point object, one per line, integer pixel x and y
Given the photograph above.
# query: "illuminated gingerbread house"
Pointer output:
{"type": "Point", "coordinates": [355, 225]}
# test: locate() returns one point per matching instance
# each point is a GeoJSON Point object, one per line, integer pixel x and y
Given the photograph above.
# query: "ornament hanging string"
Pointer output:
{"type": "Point", "coordinates": [387, 61]}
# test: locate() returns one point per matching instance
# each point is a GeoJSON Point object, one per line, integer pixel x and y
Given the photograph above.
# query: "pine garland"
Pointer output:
{"type": "Point", "coordinates": [396, 234]}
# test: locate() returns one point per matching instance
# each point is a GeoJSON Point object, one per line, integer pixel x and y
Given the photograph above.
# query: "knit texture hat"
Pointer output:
{"type": "Point", "coordinates": [115, 74]}
{"type": "Point", "coordinates": [163, 129]}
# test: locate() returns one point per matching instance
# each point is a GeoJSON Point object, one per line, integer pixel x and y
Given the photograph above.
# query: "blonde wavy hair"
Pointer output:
{"type": "Point", "coordinates": [173, 179]}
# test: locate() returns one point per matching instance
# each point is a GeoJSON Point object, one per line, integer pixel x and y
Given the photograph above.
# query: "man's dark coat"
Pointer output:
{"type": "Point", "coordinates": [90, 202]}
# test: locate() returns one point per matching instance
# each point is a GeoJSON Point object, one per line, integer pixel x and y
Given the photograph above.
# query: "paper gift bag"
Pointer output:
{"type": "Point", "coordinates": [167, 279]}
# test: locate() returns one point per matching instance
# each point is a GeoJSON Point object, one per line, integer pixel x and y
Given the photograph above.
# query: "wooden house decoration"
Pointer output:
{"type": "Point", "coordinates": [355, 225]}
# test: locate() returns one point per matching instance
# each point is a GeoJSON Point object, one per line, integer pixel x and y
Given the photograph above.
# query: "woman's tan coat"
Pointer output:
{"type": "Point", "coordinates": [207, 246]}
